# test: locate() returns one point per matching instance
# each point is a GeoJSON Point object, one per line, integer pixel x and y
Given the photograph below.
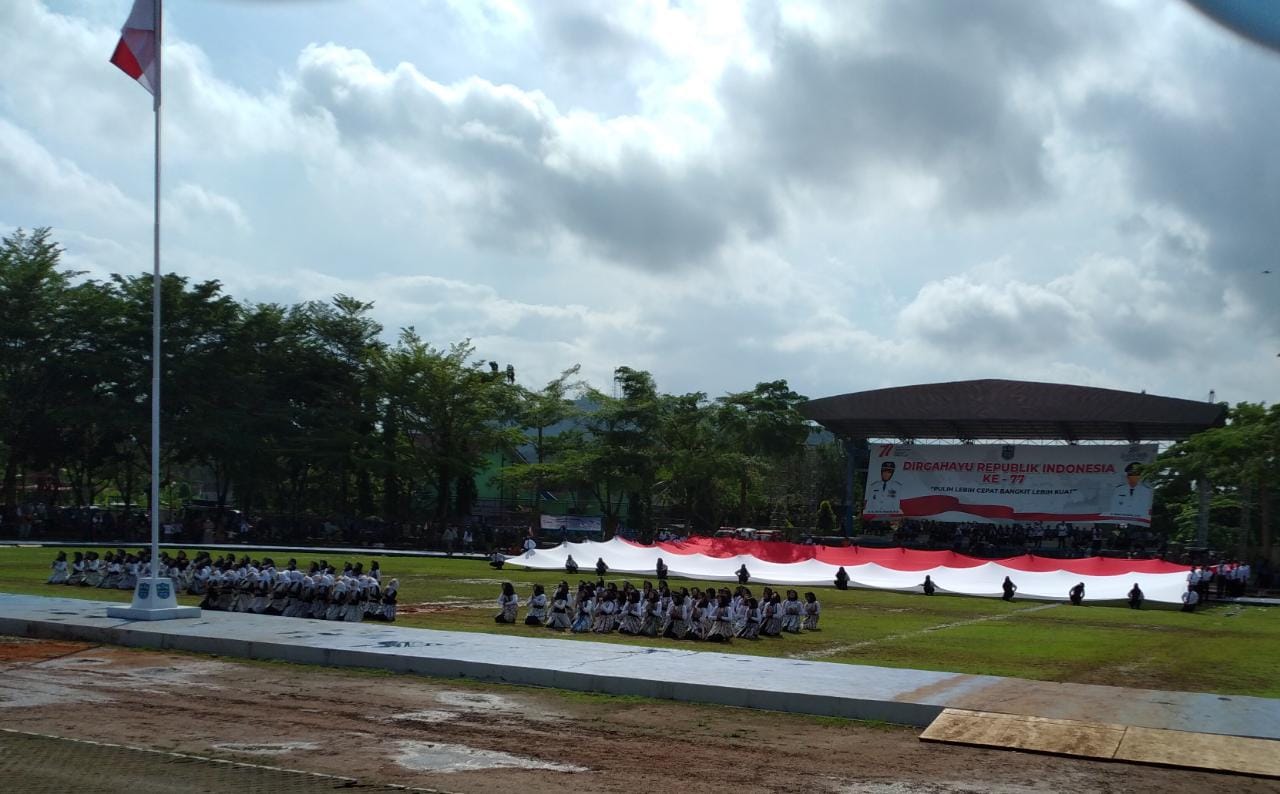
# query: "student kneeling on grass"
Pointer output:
{"type": "Point", "coordinates": [507, 602]}
{"type": "Point", "coordinates": [1190, 599]}
{"type": "Point", "coordinates": [537, 607]}
{"type": "Point", "coordinates": [1009, 588]}
{"type": "Point", "coordinates": [1135, 597]}
{"type": "Point", "coordinates": [1076, 594]}
{"type": "Point", "coordinates": [842, 579]}
{"type": "Point", "coordinates": [812, 609]}
{"type": "Point", "coordinates": [559, 619]}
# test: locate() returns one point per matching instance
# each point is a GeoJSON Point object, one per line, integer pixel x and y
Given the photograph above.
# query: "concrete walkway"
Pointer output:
{"type": "Point", "coordinates": [910, 697]}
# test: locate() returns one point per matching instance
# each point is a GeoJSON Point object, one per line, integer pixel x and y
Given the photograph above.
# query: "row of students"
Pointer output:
{"type": "Point", "coordinates": [320, 593]}
{"type": "Point", "coordinates": [245, 585]}
{"type": "Point", "coordinates": [114, 570]}
{"type": "Point", "coordinates": [690, 613]}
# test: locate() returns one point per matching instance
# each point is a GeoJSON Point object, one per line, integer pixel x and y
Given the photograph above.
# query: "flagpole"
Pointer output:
{"type": "Point", "coordinates": [138, 55]}
{"type": "Point", "coordinates": [155, 324]}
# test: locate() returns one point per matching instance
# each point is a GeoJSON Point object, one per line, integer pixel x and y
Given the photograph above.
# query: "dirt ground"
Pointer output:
{"type": "Point", "coordinates": [466, 737]}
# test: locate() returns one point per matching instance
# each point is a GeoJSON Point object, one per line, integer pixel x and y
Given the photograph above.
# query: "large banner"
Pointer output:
{"type": "Point", "coordinates": [968, 482]}
{"type": "Point", "coordinates": [572, 523]}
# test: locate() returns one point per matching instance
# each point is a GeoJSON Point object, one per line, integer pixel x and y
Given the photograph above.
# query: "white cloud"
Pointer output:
{"type": "Point", "coordinates": [723, 193]}
{"type": "Point", "coordinates": [55, 184]}
{"type": "Point", "coordinates": [190, 204]}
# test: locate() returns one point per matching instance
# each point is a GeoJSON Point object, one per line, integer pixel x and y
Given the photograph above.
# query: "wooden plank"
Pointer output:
{"type": "Point", "coordinates": [1104, 741]}
{"type": "Point", "coordinates": [1236, 754]}
{"type": "Point", "coordinates": [1017, 732]}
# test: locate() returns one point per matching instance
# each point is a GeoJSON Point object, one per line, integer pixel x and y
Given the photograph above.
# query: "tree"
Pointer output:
{"type": "Point", "coordinates": [699, 460]}
{"type": "Point", "coordinates": [826, 517]}
{"type": "Point", "coordinates": [33, 327]}
{"type": "Point", "coordinates": [767, 427]}
{"type": "Point", "coordinates": [540, 411]}
{"type": "Point", "coordinates": [1242, 463]}
{"type": "Point", "coordinates": [451, 412]}
{"type": "Point", "coordinates": [617, 453]}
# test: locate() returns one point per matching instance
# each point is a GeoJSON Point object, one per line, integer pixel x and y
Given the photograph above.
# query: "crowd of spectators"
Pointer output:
{"type": "Point", "coordinates": [1058, 538]}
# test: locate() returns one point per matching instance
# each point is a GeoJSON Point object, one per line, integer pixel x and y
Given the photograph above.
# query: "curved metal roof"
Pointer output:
{"type": "Point", "coordinates": [1009, 409]}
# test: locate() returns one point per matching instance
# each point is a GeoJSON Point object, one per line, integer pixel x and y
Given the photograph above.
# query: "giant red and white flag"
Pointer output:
{"type": "Point", "coordinates": [137, 54]}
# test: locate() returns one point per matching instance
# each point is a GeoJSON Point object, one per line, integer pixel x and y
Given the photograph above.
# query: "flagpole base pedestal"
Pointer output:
{"type": "Point", "coordinates": [154, 599]}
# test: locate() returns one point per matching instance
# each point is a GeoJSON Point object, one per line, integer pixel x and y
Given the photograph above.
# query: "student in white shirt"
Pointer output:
{"type": "Point", "coordinates": [508, 602]}
{"type": "Point", "coordinates": [1189, 600]}
{"type": "Point", "coordinates": [559, 618]}
{"type": "Point", "coordinates": [812, 609]}
{"type": "Point", "coordinates": [61, 571]}
{"type": "Point", "coordinates": [537, 607]}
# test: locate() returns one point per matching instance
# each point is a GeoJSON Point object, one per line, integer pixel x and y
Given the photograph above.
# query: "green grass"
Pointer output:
{"type": "Point", "coordinates": [1228, 650]}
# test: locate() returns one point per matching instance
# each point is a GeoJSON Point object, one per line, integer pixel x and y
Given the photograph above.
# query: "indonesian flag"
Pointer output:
{"type": "Point", "coordinates": [137, 53]}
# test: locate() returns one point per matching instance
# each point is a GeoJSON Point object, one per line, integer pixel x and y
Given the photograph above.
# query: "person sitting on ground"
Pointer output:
{"type": "Point", "coordinates": [792, 612]}
{"type": "Point", "coordinates": [674, 626]}
{"type": "Point", "coordinates": [750, 628]}
{"type": "Point", "coordinates": [497, 560]}
{"type": "Point", "coordinates": [92, 570]}
{"type": "Point", "coordinates": [662, 570]}
{"type": "Point", "coordinates": [279, 595]}
{"type": "Point", "coordinates": [1136, 597]}
{"type": "Point", "coordinates": [603, 617]}
{"type": "Point", "coordinates": [389, 601]}
{"type": "Point", "coordinates": [631, 614]}
{"type": "Point", "coordinates": [1190, 599]}
{"type": "Point", "coordinates": [77, 569]}
{"type": "Point", "coordinates": [842, 579]}
{"type": "Point", "coordinates": [1009, 588]}
{"type": "Point", "coordinates": [373, 602]}
{"type": "Point", "coordinates": [61, 571]}
{"type": "Point", "coordinates": [1076, 594]}
{"type": "Point", "coordinates": [601, 568]}
{"type": "Point", "coordinates": [811, 611]}
{"type": "Point", "coordinates": [537, 607]}
{"type": "Point", "coordinates": [695, 613]}
{"type": "Point", "coordinates": [113, 571]}
{"type": "Point", "coordinates": [584, 608]}
{"type": "Point", "coordinates": [720, 628]}
{"type": "Point", "coordinates": [507, 604]}
{"type": "Point", "coordinates": [744, 575]}
{"type": "Point", "coordinates": [771, 617]}
{"type": "Point", "coordinates": [559, 619]}
{"type": "Point", "coordinates": [651, 619]}
{"type": "Point", "coordinates": [929, 587]}
{"type": "Point", "coordinates": [338, 596]}
{"type": "Point", "coordinates": [570, 564]}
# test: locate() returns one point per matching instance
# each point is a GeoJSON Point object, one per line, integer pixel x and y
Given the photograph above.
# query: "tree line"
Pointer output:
{"type": "Point", "coordinates": [1240, 462]}
{"type": "Point", "coordinates": [305, 409]}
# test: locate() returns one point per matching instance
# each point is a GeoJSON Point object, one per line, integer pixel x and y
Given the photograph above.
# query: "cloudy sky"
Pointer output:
{"type": "Point", "coordinates": [848, 195]}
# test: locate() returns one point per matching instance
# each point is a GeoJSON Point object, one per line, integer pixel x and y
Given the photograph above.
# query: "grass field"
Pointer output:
{"type": "Point", "coordinates": [1223, 649]}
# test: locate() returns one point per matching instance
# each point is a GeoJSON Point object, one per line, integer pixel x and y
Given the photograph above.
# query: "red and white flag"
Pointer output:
{"type": "Point", "coordinates": [137, 53]}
